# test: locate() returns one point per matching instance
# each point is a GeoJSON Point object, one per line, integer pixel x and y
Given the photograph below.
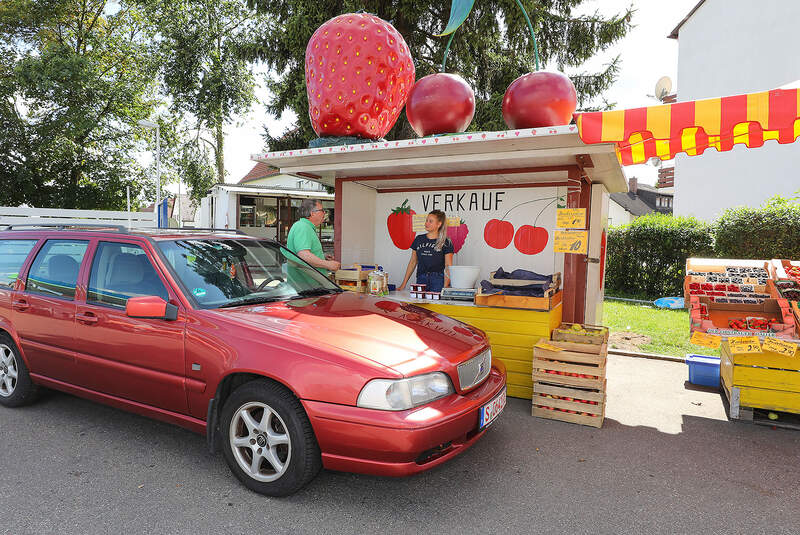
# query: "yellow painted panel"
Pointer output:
{"type": "Point", "coordinates": [555, 317]}
{"type": "Point", "coordinates": [708, 114]}
{"type": "Point", "coordinates": [516, 391]}
{"type": "Point", "coordinates": [511, 327]}
{"type": "Point", "coordinates": [778, 400]}
{"type": "Point", "coordinates": [517, 366]}
{"type": "Point", "coordinates": [613, 125]}
{"type": "Point", "coordinates": [767, 359]}
{"type": "Point", "coordinates": [758, 108]}
{"type": "Point", "coordinates": [659, 121]}
{"type": "Point", "coordinates": [766, 378]}
{"type": "Point", "coordinates": [726, 369]}
{"type": "Point", "coordinates": [535, 316]}
{"type": "Point", "coordinates": [516, 340]}
{"type": "Point", "coordinates": [511, 352]}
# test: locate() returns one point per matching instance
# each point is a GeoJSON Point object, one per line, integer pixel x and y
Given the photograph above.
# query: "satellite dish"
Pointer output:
{"type": "Point", "coordinates": [663, 87]}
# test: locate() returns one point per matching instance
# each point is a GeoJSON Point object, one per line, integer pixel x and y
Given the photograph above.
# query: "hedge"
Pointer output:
{"type": "Point", "coordinates": [771, 231]}
{"type": "Point", "coordinates": [647, 257]}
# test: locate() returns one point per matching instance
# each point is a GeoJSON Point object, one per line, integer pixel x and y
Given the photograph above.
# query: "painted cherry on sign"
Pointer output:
{"type": "Point", "coordinates": [498, 233]}
{"type": "Point", "coordinates": [530, 240]}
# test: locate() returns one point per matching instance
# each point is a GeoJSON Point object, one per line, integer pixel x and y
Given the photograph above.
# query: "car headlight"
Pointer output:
{"type": "Point", "coordinates": [403, 394]}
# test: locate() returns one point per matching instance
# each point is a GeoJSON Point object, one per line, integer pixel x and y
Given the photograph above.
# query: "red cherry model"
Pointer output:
{"type": "Point", "coordinates": [277, 366]}
{"type": "Point", "coordinates": [440, 103]}
{"type": "Point", "coordinates": [539, 99]}
{"type": "Point", "coordinates": [359, 72]}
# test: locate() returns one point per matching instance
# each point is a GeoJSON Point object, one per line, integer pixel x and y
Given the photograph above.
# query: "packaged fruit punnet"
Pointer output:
{"type": "Point", "coordinates": [581, 334]}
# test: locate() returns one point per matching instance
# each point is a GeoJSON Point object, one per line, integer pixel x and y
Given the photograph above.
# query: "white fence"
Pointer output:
{"type": "Point", "coordinates": [54, 216]}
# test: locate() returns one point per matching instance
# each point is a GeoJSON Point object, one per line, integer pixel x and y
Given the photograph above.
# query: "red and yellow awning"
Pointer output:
{"type": "Point", "coordinates": [692, 127]}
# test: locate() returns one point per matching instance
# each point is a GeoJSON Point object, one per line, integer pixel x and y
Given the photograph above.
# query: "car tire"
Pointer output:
{"type": "Point", "coordinates": [268, 441]}
{"type": "Point", "coordinates": [16, 387]}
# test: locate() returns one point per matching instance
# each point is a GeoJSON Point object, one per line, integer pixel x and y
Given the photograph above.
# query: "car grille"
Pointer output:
{"type": "Point", "coordinates": [475, 370]}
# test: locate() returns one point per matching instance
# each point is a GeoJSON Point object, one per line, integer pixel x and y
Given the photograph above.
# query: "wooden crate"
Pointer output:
{"type": "Point", "coordinates": [551, 299]}
{"type": "Point", "coordinates": [567, 366]}
{"type": "Point", "coordinates": [591, 334]}
{"type": "Point", "coordinates": [555, 401]}
{"type": "Point", "coordinates": [354, 280]}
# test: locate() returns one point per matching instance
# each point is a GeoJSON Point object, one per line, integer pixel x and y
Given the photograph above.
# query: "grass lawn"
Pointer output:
{"type": "Point", "coordinates": [667, 329]}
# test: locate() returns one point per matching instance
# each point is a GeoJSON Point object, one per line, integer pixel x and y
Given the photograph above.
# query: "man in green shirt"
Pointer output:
{"type": "Point", "coordinates": [303, 239]}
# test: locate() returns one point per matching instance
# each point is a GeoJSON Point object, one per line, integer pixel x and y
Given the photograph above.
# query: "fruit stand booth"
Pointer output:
{"type": "Point", "coordinates": [746, 308]}
{"type": "Point", "coordinates": [502, 193]}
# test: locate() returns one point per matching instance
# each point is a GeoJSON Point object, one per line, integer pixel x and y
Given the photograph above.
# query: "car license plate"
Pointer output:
{"type": "Point", "coordinates": [492, 410]}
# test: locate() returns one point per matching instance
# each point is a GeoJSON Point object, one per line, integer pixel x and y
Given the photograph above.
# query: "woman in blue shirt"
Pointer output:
{"type": "Point", "coordinates": [431, 254]}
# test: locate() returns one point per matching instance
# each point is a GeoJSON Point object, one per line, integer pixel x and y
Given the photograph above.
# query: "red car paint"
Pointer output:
{"type": "Point", "coordinates": [324, 349]}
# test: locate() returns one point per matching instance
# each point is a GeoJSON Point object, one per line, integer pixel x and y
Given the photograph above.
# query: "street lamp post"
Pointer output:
{"type": "Point", "coordinates": [150, 124]}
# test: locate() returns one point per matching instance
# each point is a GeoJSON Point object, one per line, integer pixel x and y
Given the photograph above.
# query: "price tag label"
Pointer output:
{"type": "Point", "coordinates": [571, 218]}
{"type": "Point", "coordinates": [744, 344]}
{"type": "Point", "coordinates": [418, 222]}
{"type": "Point", "coordinates": [571, 241]}
{"type": "Point", "coordinates": [706, 340]}
{"type": "Point", "coordinates": [548, 347]}
{"type": "Point", "coordinates": [781, 347]}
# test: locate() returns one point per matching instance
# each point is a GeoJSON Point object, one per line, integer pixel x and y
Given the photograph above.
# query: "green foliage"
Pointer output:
{"type": "Point", "coordinates": [771, 231]}
{"type": "Point", "coordinates": [205, 73]}
{"type": "Point", "coordinates": [75, 77]}
{"type": "Point", "coordinates": [647, 258]}
{"type": "Point", "coordinates": [490, 50]}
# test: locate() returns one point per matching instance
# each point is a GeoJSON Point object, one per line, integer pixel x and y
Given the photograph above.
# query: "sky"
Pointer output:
{"type": "Point", "coordinates": [646, 55]}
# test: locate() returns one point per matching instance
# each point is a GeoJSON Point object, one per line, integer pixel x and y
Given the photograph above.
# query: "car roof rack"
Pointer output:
{"type": "Point", "coordinates": [198, 229]}
{"type": "Point", "coordinates": [66, 226]}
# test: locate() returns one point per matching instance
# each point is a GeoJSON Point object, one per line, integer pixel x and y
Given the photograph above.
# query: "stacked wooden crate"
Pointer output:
{"type": "Point", "coordinates": [569, 375]}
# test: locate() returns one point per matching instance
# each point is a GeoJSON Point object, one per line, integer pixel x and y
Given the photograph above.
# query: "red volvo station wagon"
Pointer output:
{"type": "Point", "coordinates": [237, 338]}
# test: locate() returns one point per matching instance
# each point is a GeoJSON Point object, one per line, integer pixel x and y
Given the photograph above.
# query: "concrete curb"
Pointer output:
{"type": "Point", "coordinates": [653, 356]}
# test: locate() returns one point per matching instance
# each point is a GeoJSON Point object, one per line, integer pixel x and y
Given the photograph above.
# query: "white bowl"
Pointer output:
{"type": "Point", "coordinates": [464, 276]}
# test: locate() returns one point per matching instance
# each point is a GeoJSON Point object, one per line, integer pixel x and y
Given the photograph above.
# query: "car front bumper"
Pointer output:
{"type": "Point", "coordinates": [386, 443]}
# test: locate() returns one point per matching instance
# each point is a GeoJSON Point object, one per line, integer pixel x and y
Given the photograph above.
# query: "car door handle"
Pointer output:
{"type": "Point", "coordinates": [87, 318]}
{"type": "Point", "coordinates": [20, 305]}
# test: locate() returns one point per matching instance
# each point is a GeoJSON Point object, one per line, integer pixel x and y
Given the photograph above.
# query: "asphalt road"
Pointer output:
{"type": "Point", "coordinates": [666, 461]}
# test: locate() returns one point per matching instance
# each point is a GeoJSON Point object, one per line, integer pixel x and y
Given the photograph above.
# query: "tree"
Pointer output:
{"type": "Point", "coordinates": [205, 72]}
{"type": "Point", "coordinates": [75, 77]}
{"type": "Point", "coordinates": [490, 50]}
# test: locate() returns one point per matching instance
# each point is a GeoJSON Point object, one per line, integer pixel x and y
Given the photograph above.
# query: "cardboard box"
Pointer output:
{"type": "Point", "coordinates": [719, 314]}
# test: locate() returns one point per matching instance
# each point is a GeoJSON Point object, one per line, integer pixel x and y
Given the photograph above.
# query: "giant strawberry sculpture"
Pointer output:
{"type": "Point", "coordinates": [359, 73]}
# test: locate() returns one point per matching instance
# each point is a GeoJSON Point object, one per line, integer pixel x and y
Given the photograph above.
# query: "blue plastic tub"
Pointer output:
{"type": "Point", "coordinates": [703, 370]}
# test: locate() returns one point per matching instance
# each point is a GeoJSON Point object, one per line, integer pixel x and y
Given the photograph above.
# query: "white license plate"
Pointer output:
{"type": "Point", "coordinates": [492, 410]}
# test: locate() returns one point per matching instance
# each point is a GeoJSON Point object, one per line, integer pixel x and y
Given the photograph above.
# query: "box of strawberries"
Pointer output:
{"type": "Point", "coordinates": [772, 317]}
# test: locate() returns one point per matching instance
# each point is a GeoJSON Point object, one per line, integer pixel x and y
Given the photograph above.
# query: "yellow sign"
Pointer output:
{"type": "Point", "coordinates": [571, 218]}
{"type": "Point", "coordinates": [705, 340]}
{"type": "Point", "coordinates": [744, 344]}
{"type": "Point", "coordinates": [418, 222]}
{"type": "Point", "coordinates": [781, 347]}
{"type": "Point", "coordinates": [571, 241]}
{"type": "Point", "coordinates": [548, 347]}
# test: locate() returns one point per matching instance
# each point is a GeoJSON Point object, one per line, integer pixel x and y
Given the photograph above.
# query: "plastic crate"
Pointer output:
{"type": "Point", "coordinates": [703, 370]}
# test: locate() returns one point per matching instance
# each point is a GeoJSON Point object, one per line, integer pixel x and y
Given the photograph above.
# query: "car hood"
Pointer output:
{"type": "Point", "coordinates": [404, 337]}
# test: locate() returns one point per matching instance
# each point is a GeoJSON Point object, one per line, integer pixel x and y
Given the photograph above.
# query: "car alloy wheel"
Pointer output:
{"type": "Point", "coordinates": [8, 371]}
{"type": "Point", "coordinates": [260, 442]}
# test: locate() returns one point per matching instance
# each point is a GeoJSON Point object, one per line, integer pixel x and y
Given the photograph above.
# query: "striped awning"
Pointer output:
{"type": "Point", "coordinates": [692, 127]}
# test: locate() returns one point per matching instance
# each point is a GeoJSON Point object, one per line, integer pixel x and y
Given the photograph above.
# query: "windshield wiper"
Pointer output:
{"type": "Point", "coordinates": [251, 301]}
{"type": "Point", "coordinates": [318, 291]}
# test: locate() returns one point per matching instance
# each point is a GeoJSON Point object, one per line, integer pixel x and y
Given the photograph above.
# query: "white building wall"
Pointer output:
{"type": "Point", "coordinates": [730, 47]}
{"type": "Point", "coordinates": [617, 215]}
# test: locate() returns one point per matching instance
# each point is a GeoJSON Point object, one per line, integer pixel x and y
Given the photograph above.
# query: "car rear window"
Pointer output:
{"type": "Point", "coordinates": [12, 255]}
{"type": "Point", "coordinates": [54, 271]}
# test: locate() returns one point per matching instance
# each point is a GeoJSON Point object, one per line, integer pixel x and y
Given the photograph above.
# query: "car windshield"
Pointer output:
{"type": "Point", "coordinates": [230, 272]}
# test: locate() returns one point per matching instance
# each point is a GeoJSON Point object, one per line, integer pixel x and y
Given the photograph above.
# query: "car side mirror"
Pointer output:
{"type": "Point", "coordinates": [151, 307]}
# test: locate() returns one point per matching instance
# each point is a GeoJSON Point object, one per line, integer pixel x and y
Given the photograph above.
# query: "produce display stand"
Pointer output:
{"type": "Point", "coordinates": [514, 177]}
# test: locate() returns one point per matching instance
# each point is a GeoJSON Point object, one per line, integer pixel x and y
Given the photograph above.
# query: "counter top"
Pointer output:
{"type": "Point", "coordinates": [405, 296]}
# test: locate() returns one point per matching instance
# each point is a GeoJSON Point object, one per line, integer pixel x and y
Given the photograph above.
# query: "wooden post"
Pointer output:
{"type": "Point", "coordinates": [337, 220]}
{"type": "Point", "coordinates": [575, 267]}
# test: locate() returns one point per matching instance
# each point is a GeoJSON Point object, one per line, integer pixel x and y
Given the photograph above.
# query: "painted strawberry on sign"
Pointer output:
{"type": "Point", "coordinates": [458, 235]}
{"type": "Point", "coordinates": [401, 227]}
{"type": "Point", "coordinates": [359, 72]}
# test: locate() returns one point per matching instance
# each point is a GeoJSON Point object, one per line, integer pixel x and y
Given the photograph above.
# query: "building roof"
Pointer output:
{"type": "Point", "coordinates": [674, 33]}
{"type": "Point", "coordinates": [632, 203]}
{"type": "Point", "coordinates": [260, 170]}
